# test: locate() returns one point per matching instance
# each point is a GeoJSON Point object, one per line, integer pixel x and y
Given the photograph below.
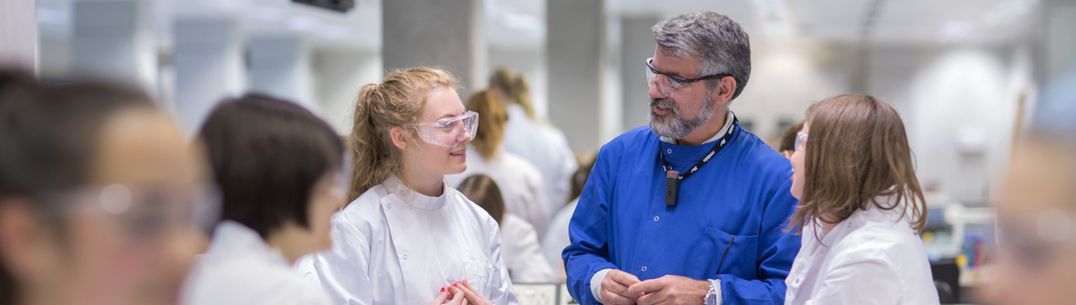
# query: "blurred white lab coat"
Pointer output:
{"type": "Point", "coordinates": [240, 268]}
{"type": "Point", "coordinates": [557, 239]}
{"type": "Point", "coordinates": [520, 183]}
{"type": "Point", "coordinates": [522, 252]}
{"type": "Point", "coordinates": [873, 257]}
{"type": "Point", "coordinates": [547, 149]}
{"type": "Point", "coordinates": [393, 245]}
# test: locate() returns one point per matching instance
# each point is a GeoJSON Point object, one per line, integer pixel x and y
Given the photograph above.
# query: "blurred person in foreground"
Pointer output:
{"type": "Point", "coordinates": [101, 197]}
{"type": "Point", "coordinates": [281, 172]}
{"type": "Point", "coordinates": [1037, 210]}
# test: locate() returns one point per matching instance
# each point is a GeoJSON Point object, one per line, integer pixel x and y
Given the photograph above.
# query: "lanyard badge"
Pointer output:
{"type": "Point", "coordinates": [673, 177]}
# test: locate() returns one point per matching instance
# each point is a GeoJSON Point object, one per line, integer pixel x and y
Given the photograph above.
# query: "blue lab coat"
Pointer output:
{"type": "Point", "coordinates": [736, 206]}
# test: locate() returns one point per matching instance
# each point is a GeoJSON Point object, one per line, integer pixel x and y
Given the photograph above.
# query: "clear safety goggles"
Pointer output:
{"type": "Point", "coordinates": [669, 82]}
{"type": "Point", "coordinates": [451, 131]}
{"type": "Point", "coordinates": [801, 141]}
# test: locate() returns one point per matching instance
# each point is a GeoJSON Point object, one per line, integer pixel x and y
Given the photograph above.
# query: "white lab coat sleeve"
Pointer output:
{"type": "Point", "coordinates": [528, 264]}
{"type": "Point", "coordinates": [343, 270]}
{"type": "Point", "coordinates": [858, 278]}
{"type": "Point", "coordinates": [500, 284]}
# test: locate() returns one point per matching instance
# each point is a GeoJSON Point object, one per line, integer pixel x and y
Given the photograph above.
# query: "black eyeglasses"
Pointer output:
{"type": "Point", "coordinates": [673, 81]}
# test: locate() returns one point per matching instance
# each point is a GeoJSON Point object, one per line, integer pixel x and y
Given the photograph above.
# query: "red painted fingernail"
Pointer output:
{"type": "Point", "coordinates": [442, 289]}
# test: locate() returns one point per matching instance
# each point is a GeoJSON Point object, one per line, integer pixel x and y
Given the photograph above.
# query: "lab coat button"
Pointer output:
{"type": "Point", "coordinates": [404, 256]}
{"type": "Point", "coordinates": [668, 151]}
{"type": "Point", "coordinates": [644, 268]}
{"type": "Point", "coordinates": [656, 218]}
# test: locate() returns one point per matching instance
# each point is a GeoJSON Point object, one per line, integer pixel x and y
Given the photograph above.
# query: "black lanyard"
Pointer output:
{"type": "Point", "coordinates": [673, 177]}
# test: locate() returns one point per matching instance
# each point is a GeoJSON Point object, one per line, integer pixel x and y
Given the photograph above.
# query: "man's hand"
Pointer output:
{"type": "Point", "coordinates": [615, 288]}
{"type": "Point", "coordinates": [670, 289]}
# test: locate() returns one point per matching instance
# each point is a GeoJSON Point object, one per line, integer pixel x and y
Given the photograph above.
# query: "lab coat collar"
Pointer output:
{"type": "Point", "coordinates": [414, 199]}
{"type": "Point", "coordinates": [861, 218]}
{"type": "Point", "coordinates": [233, 237]}
{"type": "Point", "coordinates": [728, 124]}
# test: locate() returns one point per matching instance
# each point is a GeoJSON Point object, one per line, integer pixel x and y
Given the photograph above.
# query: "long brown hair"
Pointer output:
{"type": "Point", "coordinates": [397, 101]}
{"type": "Point", "coordinates": [857, 150]}
{"type": "Point", "coordinates": [492, 119]}
{"type": "Point", "coordinates": [484, 191]}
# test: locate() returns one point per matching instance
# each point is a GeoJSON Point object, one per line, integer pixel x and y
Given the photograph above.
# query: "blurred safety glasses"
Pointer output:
{"type": "Point", "coordinates": [144, 213]}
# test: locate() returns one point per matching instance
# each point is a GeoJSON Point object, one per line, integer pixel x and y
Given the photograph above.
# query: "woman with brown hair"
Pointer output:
{"type": "Point", "coordinates": [519, 181]}
{"type": "Point", "coordinates": [407, 237]}
{"type": "Point", "coordinates": [860, 208]}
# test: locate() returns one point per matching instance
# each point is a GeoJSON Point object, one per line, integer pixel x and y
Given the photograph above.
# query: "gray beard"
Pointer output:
{"type": "Point", "coordinates": [675, 126]}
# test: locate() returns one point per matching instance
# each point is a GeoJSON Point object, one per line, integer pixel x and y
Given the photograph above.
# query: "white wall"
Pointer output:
{"type": "Point", "coordinates": [785, 80]}
{"type": "Point", "coordinates": [338, 75]}
{"type": "Point", "coordinates": [959, 106]}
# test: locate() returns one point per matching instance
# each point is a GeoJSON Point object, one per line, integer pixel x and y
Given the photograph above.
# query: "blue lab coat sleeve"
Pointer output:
{"type": "Point", "coordinates": [589, 232]}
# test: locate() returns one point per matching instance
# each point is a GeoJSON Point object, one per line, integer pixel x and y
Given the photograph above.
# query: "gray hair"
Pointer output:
{"type": "Point", "coordinates": [718, 41]}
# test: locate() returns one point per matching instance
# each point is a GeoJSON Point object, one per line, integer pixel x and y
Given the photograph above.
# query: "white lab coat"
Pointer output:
{"type": "Point", "coordinates": [547, 148]}
{"type": "Point", "coordinates": [520, 183]}
{"type": "Point", "coordinates": [522, 252]}
{"type": "Point", "coordinates": [393, 245]}
{"type": "Point", "coordinates": [240, 268]}
{"type": "Point", "coordinates": [873, 257]}
{"type": "Point", "coordinates": [557, 239]}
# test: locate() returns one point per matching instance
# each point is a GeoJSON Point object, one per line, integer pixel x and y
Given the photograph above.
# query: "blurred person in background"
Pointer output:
{"type": "Point", "coordinates": [861, 208]}
{"type": "Point", "coordinates": [281, 175]}
{"type": "Point", "coordinates": [522, 254]}
{"type": "Point", "coordinates": [520, 183]}
{"type": "Point", "coordinates": [557, 238]}
{"type": "Point", "coordinates": [407, 237]}
{"type": "Point", "coordinates": [534, 138]}
{"type": "Point", "coordinates": [691, 209]}
{"type": "Point", "coordinates": [788, 140]}
{"type": "Point", "coordinates": [101, 198]}
{"type": "Point", "coordinates": [1037, 209]}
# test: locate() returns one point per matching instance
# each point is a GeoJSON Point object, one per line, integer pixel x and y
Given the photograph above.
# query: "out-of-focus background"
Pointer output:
{"type": "Point", "coordinates": [966, 75]}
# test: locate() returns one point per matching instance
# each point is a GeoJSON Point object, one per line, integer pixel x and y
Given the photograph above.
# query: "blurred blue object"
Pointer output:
{"type": "Point", "coordinates": [1057, 108]}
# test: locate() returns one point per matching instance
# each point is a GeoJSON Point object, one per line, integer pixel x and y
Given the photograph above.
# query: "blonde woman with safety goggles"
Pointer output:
{"type": "Point", "coordinates": [407, 238]}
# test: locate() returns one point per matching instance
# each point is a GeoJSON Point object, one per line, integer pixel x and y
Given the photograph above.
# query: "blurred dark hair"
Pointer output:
{"type": "Point", "coordinates": [788, 139]}
{"type": "Point", "coordinates": [484, 191]}
{"type": "Point", "coordinates": [579, 178]}
{"type": "Point", "coordinates": [267, 155]}
{"type": "Point", "coordinates": [49, 134]}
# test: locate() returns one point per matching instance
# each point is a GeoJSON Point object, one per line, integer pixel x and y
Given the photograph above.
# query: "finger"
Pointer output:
{"type": "Point", "coordinates": [612, 298]}
{"type": "Point", "coordinates": [646, 287]}
{"type": "Point", "coordinates": [652, 299]}
{"type": "Point", "coordinates": [458, 297]}
{"type": "Point", "coordinates": [471, 296]}
{"type": "Point", "coordinates": [624, 278]}
{"type": "Point", "coordinates": [441, 297]}
{"type": "Point", "coordinates": [614, 287]}
{"type": "Point", "coordinates": [467, 284]}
